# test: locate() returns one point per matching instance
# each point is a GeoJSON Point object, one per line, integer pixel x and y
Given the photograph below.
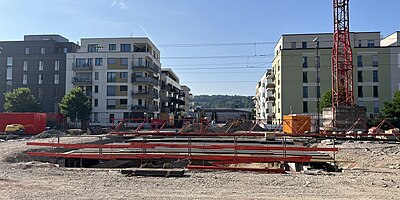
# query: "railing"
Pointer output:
{"type": "Point", "coordinates": [141, 108]}
{"type": "Point", "coordinates": [145, 80]}
{"type": "Point", "coordinates": [77, 80]}
{"type": "Point", "coordinates": [144, 93]}
{"type": "Point", "coordinates": [84, 66]}
{"type": "Point", "coordinates": [153, 68]}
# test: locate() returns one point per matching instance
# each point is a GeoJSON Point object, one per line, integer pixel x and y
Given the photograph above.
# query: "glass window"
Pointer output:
{"type": "Point", "coordinates": [40, 93]}
{"type": "Point", "coordinates": [96, 117]}
{"type": "Point", "coordinates": [111, 90]}
{"type": "Point", "coordinates": [25, 67]}
{"type": "Point", "coordinates": [112, 47]}
{"type": "Point", "coordinates": [305, 61]}
{"type": "Point", "coordinates": [305, 78]}
{"type": "Point", "coordinates": [359, 43]}
{"type": "Point", "coordinates": [360, 77]}
{"type": "Point", "coordinates": [9, 73]}
{"type": "Point", "coordinates": [96, 89]}
{"type": "Point", "coordinates": [111, 61]}
{"type": "Point", "coordinates": [56, 79]}
{"type": "Point", "coordinates": [293, 45]}
{"type": "Point", "coordinates": [24, 79]}
{"type": "Point", "coordinates": [96, 102]}
{"type": "Point", "coordinates": [98, 61]}
{"type": "Point", "coordinates": [305, 92]}
{"type": "Point", "coordinates": [9, 61]}
{"type": "Point", "coordinates": [140, 62]}
{"type": "Point", "coordinates": [40, 79]}
{"type": "Point", "coordinates": [96, 76]}
{"type": "Point", "coordinates": [55, 107]}
{"type": "Point", "coordinates": [375, 60]}
{"type": "Point", "coordinates": [92, 48]}
{"type": "Point", "coordinates": [57, 65]}
{"type": "Point", "coordinates": [111, 105]}
{"type": "Point", "coordinates": [123, 75]}
{"type": "Point", "coordinates": [65, 50]}
{"type": "Point", "coordinates": [376, 106]}
{"type": "Point", "coordinates": [305, 107]}
{"type": "Point", "coordinates": [304, 45]}
{"type": "Point", "coordinates": [111, 77]}
{"type": "Point", "coordinates": [55, 92]}
{"type": "Point", "coordinates": [360, 91]}
{"type": "Point", "coordinates": [8, 86]}
{"type": "Point", "coordinates": [371, 43]}
{"type": "Point", "coordinates": [375, 76]}
{"type": "Point", "coordinates": [123, 101]}
{"type": "Point", "coordinates": [318, 91]}
{"type": "Point", "coordinates": [125, 47]}
{"type": "Point", "coordinates": [26, 50]}
{"type": "Point", "coordinates": [124, 61]}
{"type": "Point", "coordinates": [359, 60]}
{"type": "Point", "coordinates": [40, 65]}
{"type": "Point", "coordinates": [123, 88]}
{"type": "Point", "coordinates": [42, 50]}
{"type": "Point", "coordinates": [111, 117]}
{"type": "Point", "coordinates": [376, 91]}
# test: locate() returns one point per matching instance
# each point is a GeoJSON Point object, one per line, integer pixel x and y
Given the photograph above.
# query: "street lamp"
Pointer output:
{"type": "Point", "coordinates": [318, 88]}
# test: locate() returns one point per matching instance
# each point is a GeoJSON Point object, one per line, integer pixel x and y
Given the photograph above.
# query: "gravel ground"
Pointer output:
{"type": "Point", "coordinates": [32, 180]}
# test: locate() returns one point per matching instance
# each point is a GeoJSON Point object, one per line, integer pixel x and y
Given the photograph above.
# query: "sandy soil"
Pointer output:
{"type": "Point", "coordinates": [374, 174]}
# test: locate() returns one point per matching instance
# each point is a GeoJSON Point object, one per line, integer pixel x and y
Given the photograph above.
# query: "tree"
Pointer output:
{"type": "Point", "coordinates": [75, 104]}
{"type": "Point", "coordinates": [20, 100]}
{"type": "Point", "coordinates": [326, 100]}
{"type": "Point", "coordinates": [392, 109]}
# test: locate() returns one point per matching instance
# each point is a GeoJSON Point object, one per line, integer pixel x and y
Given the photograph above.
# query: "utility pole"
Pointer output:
{"type": "Point", "coordinates": [318, 87]}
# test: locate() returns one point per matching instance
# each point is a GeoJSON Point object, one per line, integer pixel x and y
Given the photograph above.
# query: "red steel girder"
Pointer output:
{"type": "Point", "coordinates": [114, 156]}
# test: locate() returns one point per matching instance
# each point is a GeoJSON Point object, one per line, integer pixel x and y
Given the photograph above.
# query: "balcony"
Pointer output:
{"type": "Point", "coordinates": [270, 86]}
{"type": "Point", "coordinates": [145, 80]}
{"type": "Point", "coordinates": [149, 68]}
{"type": "Point", "coordinates": [145, 94]}
{"type": "Point", "coordinates": [81, 81]}
{"type": "Point", "coordinates": [82, 67]}
{"type": "Point", "coordinates": [270, 98]}
{"type": "Point", "coordinates": [142, 108]}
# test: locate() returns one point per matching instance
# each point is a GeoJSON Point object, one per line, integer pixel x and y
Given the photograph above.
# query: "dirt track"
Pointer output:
{"type": "Point", "coordinates": [44, 181]}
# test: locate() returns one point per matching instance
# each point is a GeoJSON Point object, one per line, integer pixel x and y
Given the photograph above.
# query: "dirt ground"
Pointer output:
{"type": "Point", "coordinates": [372, 171]}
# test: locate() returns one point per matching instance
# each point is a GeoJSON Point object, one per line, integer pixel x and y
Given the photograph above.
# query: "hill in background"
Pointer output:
{"type": "Point", "coordinates": [223, 101]}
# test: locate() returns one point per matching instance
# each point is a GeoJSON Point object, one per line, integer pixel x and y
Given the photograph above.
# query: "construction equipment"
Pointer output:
{"type": "Point", "coordinates": [14, 129]}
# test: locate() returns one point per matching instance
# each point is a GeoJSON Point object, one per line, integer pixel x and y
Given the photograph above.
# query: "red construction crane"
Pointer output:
{"type": "Point", "coordinates": [342, 58]}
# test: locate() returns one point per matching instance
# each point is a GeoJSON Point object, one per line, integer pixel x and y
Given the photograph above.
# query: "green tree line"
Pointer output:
{"type": "Point", "coordinates": [223, 101]}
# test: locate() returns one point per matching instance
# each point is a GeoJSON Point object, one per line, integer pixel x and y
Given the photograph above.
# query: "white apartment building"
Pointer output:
{"type": "Point", "coordinates": [392, 43]}
{"type": "Point", "coordinates": [265, 97]}
{"type": "Point", "coordinates": [120, 75]}
{"type": "Point", "coordinates": [171, 100]}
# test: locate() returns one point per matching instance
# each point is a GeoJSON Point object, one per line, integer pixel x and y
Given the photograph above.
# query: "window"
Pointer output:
{"type": "Point", "coordinates": [359, 43]}
{"type": "Point", "coordinates": [360, 77]}
{"type": "Point", "coordinates": [56, 79]}
{"type": "Point", "coordinates": [376, 106]}
{"type": "Point", "coordinates": [375, 61]}
{"type": "Point", "coordinates": [125, 47]}
{"type": "Point", "coordinates": [318, 91]}
{"type": "Point", "coordinates": [304, 45]}
{"type": "Point", "coordinates": [293, 45]}
{"type": "Point", "coordinates": [9, 61]}
{"type": "Point", "coordinates": [305, 107]}
{"type": "Point", "coordinates": [375, 91]}
{"type": "Point", "coordinates": [55, 107]}
{"type": "Point", "coordinates": [124, 61]}
{"type": "Point", "coordinates": [123, 101]}
{"type": "Point", "coordinates": [57, 65]}
{"type": "Point", "coordinates": [371, 43]}
{"type": "Point", "coordinates": [24, 79]}
{"type": "Point", "coordinates": [55, 92]}
{"type": "Point", "coordinates": [26, 50]}
{"type": "Point", "coordinates": [111, 104]}
{"type": "Point", "coordinates": [65, 50]}
{"type": "Point", "coordinates": [9, 73]}
{"type": "Point", "coordinates": [8, 86]}
{"type": "Point", "coordinates": [361, 103]}
{"type": "Point", "coordinates": [98, 61]}
{"type": "Point", "coordinates": [40, 65]}
{"type": "Point", "coordinates": [305, 78]}
{"type": "Point", "coordinates": [96, 102]}
{"type": "Point", "coordinates": [123, 75]}
{"type": "Point", "coordinates": [112, 47]}
{"type": "Point", "coordinates": [360, 91]}
{"type": "Point", "coordinates": [95, 117]}
{"type": "Point", "coordinates": [123, 88]}
{"type": "Point", "coordinates": [96, 76]}
{"type": "Point", "coordinates": [305, 92]}
{"type": "Point", "coordinates": [40, 93]}
{"type": "Point", "coordinates": [92, 48]}
{"type": "Point", "coordinates": [359, 61]}
{"type": "Point", "coordinates": [42, 50]}
{"type": "Point", "coordinates": [111, 90]}
{"type": "Point", "coordinates": [96, 89]}
{"type": "Point", "coordinates": [140, 62]}
{"type": "Point", "coordinates": [111, 61]}
{"type": "Point", "coordinates": [305, 61]}
{"type": "Point", "coordinates": [111, 77]}
{"type": "Point", "coordinates": [111, 116]}
{"type": "Point", "coordinates": [25, 67]}
{"type": "Point", "coordinates": [40, 79]}
{"type": "Point", "coordinates": [375, 76]}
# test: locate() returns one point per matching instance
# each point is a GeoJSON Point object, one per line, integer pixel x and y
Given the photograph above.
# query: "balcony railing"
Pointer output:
{"type": "Point", "coordinates": [145, 80]}
{"type": "Point", "coordinates": [271, 98]}
{"type": "Point", "coordinates": [81, 80]}
{"type": "Point", "coordinates": [83, 66]}
{"type": "Point", "coordinates": [149, 67]}
{"type": "Point", "coordinates": [145, 94]}
{"type": "Point", "coordinates": [142, 108]}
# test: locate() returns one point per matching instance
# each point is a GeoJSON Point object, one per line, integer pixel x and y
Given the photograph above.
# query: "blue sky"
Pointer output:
{"type": "Point", "coordinates": [169, 23]}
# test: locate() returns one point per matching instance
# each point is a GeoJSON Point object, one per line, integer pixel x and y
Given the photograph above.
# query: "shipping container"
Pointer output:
{"type": "Point", "coordinates": [296, 124]}
{"type": "Point", "coordinates": [34, 123]}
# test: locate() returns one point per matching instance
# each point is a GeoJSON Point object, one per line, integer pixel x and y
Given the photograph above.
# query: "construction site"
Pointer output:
{"type": "Point", "coordinates": [334, 155]}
